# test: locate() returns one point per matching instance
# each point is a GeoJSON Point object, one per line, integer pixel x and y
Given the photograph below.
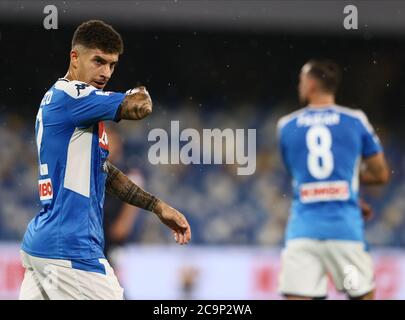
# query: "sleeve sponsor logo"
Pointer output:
{"type": "Point", "coordinates": [75, 89]}
{"type": "Point", "coordinates": [80, 86]}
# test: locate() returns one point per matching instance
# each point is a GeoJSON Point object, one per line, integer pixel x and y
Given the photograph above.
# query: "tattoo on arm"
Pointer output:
{"type": "Point", "coordinates": [121, 186]}
{"type": "Point", "coordinates": [136, 106]}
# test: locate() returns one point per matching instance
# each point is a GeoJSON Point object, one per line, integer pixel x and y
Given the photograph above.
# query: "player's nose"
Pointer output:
{"type": "Point", "coordinates": [106, 73]}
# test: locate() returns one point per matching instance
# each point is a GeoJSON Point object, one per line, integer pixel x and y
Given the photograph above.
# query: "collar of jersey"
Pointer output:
{"type": "Point", "coordinates": [63, 79]}
{"type": "Point", "coordinates": [327, 106]}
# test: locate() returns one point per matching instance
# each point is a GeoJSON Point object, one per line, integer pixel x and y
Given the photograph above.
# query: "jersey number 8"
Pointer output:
{"type": "Point", "coordinates": [320, 158]}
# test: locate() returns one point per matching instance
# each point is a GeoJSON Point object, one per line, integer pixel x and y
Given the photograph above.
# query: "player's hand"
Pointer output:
{"type": "Point", "coordinates": [175, 220]}
{"type": "Point", "coordinates": [137, 104]}
{"type": "Point", "coordinates": [140, 91]}
{"type": "Point", "coordinates": [141, 95]}
{"type": "Point", "coordinates": [366, 210]}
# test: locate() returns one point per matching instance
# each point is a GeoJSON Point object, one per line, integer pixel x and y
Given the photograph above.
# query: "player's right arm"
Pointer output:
{"type": "Point", "coordinates": [87, 105]}
{"type": "Point", "coordinates": [374, 170]}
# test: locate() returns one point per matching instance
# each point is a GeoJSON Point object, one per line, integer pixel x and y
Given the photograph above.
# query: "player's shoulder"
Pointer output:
{"type": "Point", "coordinates": [350, 112]}
{"type": "Point", "coordinates": [284, 120]}
{"type": "Point", "coordinates": [74, 88]}
{"type": "Point", "coordinates": [354, 114]}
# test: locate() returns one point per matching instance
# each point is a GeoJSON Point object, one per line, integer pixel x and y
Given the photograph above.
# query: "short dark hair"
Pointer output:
{"type": "Point", "coordinates": [327, 73]}
{"type": "Point", "coordinates": [96, 34]}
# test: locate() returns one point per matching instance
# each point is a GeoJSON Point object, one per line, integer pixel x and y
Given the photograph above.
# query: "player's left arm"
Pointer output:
{"type": "Point", "coordinates": [374, 170]}
{"type": "Point", "coordinates": [121, 186]}
{"type": "Point", "coordinates": [366, 210]}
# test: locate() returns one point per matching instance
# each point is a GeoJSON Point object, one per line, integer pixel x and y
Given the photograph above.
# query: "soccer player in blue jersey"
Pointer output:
{"type": "Point", "coordinates": [328, 150]}
{"type": "Point", "coordinates": [62, 250]}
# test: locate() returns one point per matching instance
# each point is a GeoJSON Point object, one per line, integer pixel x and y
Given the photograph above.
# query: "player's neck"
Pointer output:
{"type": "Point", "coordinates": [70, 76]}
{"type": "Point", "coordinates": [321, 101]}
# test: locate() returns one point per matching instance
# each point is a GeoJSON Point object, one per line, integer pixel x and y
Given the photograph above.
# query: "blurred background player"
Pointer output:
{"type": "Point", "coordinates": [327, 148]}
{"type": "Point", "coordinates": [62, 250]}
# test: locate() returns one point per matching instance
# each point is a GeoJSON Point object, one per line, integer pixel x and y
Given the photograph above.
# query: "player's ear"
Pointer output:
{"type": "Point", "coordinates": [74, 55]}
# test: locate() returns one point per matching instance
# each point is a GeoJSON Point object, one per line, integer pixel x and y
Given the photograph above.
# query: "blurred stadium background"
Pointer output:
{"type": "Point", "coordinates": [225, 64]}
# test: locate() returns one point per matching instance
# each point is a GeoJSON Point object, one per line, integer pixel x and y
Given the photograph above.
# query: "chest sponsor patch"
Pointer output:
{"type": "Point", "coordinates": [324, 191]}
{"type": "Point", "coordinates": [45, 189]}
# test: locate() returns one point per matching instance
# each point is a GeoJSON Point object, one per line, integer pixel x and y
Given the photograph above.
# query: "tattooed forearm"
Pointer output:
{"type": "Point", "coordinates": [136, 106]}
{"type": "Point", "coordinates": [121, 186]}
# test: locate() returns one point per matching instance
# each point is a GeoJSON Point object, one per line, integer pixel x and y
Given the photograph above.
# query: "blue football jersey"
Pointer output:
{"type": "Point", "coordinates": [72, 148]}
{"type": "Point", "coordinates": [322, 149]}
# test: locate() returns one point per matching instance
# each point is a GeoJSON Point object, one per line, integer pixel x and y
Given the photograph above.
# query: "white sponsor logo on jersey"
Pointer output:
{"type": "Point", "coordinates": [327, 119]}
{"type": "Point", "coordinates": [103, 93]}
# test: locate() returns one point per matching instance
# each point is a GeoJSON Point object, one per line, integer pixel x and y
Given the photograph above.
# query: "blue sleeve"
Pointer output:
{"type": "Point", "coordinates": [94, 107]}
{"type": "Point", "coordinates": [370, 142]}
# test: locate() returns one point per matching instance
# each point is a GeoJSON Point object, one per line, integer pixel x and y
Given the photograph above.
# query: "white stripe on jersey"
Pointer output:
{"type": "Point", "coordinates": [78, 162]}
{"type": "Point", "coordinates": [358, 114]}
{"type": "Point", "coordinates": [355, 113]}
{"type": "Point", "coordinates": [291, 116]}
{"type": "Point", "coordinates": [75, 89]}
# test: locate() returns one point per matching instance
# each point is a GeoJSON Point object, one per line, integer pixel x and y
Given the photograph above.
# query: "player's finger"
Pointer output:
{"type": "Point", "coordinates": [175, 236]}
{"type": "Point", "coordinates": [185, 238]}
{"type": "Point", "coordinates": [182, 222]}
{"type": "Point", "coordinates": [181, 237]}
{"type": "Point", "coordinates": [145, 91]}
{"type": "Point", "coordinates": [188, 234]}
{"type": "Point", "coordinates": [187, 231]}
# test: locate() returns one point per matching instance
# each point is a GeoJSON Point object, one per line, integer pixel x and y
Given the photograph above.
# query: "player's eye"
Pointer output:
{"type": "Point", "coordinates": [99, 61]}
